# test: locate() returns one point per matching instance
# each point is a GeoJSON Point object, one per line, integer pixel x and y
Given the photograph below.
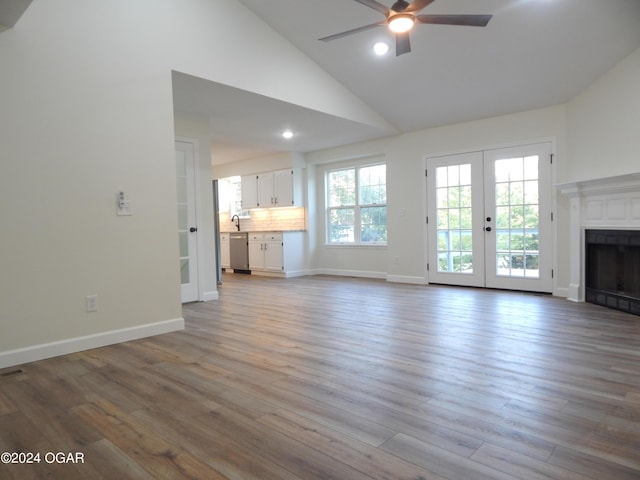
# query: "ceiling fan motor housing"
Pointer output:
{"type": "Point", "coordinates": [399, 6]}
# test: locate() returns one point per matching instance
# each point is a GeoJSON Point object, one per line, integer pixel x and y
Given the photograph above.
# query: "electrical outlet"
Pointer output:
{"type": "Point", "coordinates": [91, 302]}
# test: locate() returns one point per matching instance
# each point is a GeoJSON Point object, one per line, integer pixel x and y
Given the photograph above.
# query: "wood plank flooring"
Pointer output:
{"type": "Point", "coordinates": [343, 378]}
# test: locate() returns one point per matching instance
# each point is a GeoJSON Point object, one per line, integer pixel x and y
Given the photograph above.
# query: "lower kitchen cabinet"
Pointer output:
{"type": "Point", "coordinates": [276, 253]}
{"type": "Point", "coordinates": [225, 255]}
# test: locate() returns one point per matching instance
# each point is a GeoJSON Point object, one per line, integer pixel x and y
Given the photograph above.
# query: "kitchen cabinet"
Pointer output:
{"type": "Point", "coordinates": [282, 188]}
{"type": "Point", "coordinates": [256, 251]}
{"type": "Point", "coordinates": [249, 192]}
{"type": "Point", "coordinates": [265, 189]}
{"type": "Point", "coordinates": [276, 253]}
{"type": "Point", "coordinates": [225, 255]}
{"type": "Point", "coordinates": [265, 251]}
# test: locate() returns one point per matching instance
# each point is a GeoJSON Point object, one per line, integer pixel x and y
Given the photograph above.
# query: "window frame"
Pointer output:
{"type": "Point", "coordinates": [357, 206]}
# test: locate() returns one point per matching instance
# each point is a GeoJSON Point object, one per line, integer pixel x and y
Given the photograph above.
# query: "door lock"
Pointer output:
{"type": "Point", "coordinates": [193, 229]}
{"type": "Point", "coordinates": [488, 229]}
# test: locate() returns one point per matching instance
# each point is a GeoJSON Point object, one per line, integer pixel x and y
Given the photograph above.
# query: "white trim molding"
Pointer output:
{"type": "Point", "coordinates": [604, 203]}
{"type": "Point", "coordinates": [350, 273]}
{"type": "Point", "coordinates": [210, 296]}
{"type": "Point", "coordinates": [20, 356]}
{"type": "Point", "coordinates": [414, 280]}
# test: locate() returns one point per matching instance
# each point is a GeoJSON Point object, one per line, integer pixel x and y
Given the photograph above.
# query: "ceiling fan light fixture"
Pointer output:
{"type": "Point", "coordinates": [401, 22]}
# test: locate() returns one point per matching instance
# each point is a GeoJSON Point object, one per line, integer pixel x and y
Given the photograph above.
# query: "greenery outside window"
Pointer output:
{"type": "Point", "coordinates": [357, 205]}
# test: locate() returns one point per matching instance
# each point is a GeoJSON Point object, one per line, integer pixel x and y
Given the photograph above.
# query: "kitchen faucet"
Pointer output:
{"type": "Point", "coordinates": [237, 221]}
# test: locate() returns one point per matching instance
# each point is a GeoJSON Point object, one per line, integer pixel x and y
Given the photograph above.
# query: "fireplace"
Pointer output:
{"type": "Point", "coordinates": [612, 269]}
{"type": "Point", "coordinates": [604, 233]}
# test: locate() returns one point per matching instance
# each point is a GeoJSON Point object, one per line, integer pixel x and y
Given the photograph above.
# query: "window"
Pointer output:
{"type": "Point", "coordinates": [230, 196]}
{"type": "Point", "coordinates": [357, 205]}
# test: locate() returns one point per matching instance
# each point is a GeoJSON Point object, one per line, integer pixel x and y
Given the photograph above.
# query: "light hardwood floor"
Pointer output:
{"type": "Point", "coordinates": [342, 378]}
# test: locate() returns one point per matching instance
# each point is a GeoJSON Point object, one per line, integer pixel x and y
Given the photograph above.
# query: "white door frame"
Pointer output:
{"type": "Point", "coordinates": [425, 197]}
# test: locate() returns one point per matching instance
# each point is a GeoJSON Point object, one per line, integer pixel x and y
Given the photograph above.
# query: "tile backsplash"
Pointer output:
{"type": "Point", "coordinates": [267, 220]}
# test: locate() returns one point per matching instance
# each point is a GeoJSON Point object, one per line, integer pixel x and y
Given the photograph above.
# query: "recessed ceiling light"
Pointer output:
{"type": "Point", "coordinates": [287, 134]}
{"type": "Point", "coordinates": [380, 48]}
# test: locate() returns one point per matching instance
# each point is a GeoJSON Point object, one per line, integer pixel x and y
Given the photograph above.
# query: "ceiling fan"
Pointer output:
{"type": "Point", "coordinates": [401, 17]}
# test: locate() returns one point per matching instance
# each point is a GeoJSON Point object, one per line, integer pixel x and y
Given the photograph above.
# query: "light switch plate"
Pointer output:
{"type": "Point", "coordinates": [124, 208]}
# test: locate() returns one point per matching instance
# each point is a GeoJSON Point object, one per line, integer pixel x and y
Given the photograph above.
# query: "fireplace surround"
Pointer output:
{"type": "Point", "coordinates": [598, 206]}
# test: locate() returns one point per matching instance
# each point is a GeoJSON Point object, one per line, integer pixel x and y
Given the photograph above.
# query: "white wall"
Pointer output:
{"type": "Point", "coordinates": [595, 135]}
{"type": "Point", "coordinates": [83, 116]}
{"type": "Point", "coordinates": [277, 161]}
{"type": "Point", "coordinates": [87, 111]}
{"type": "Point", "coordinates": [604, 124]}
{"type": "Point", "coordinates": [405, 156]}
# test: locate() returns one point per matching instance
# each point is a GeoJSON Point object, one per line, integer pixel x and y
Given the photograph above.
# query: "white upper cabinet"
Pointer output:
{"type": "Point", "coordinates": [249, 192]}
{"type": "Point", "coordinates": [282, 188]}
{"type": "Point", "coordinates": [265, 190]}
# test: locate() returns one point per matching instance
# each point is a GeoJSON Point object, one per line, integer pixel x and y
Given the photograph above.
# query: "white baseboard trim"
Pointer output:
{"type": "Point", "coordinates": [350, 273]}
{"type": "Point", "coordinates": [19, 356]}
{"type": "Point", "coordinates": [210, 296]}
{"type": "Point", "coordinates": [574, 292]}
{"type": "Point", "coordinates": [297, 273]}
{"type": "Point", "coordinates": [561, 292]}
{"type": "Point", "coordinates": [289, 274]}
{"type": "Point", "coordinates": [406, 279]}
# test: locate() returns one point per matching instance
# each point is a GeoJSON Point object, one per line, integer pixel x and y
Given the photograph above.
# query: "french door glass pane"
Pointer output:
{"type": "Point", "coordinates": [517, 217]}
{"type": "Point", "coordinates": [183, 235]}
{"type": "Point", "coordinates": [453, 211]}
{"type": "Point", "coordinates": [184, 271]}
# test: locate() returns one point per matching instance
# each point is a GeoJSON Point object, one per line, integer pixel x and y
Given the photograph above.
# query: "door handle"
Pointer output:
{"type": "Point", "coordinates": [488, 229]}
{"type": "Point", "coordinates": [193, 229]}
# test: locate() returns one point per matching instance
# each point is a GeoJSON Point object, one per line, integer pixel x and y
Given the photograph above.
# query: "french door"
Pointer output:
{"type": "Point", "coordinates": [489, 218]}
{"type": "Point", "coordinates": [187, 238]}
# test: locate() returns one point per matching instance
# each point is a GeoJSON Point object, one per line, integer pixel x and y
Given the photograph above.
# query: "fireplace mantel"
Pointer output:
{"type": "Point", "coordinates": [603, 203]}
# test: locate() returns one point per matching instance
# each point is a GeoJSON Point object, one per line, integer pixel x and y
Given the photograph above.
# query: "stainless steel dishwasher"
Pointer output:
{"type": "Point", "coordinates": [239, 251]}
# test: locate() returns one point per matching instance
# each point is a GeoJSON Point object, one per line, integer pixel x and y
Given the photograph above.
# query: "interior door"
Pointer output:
{"type": "Point", "coordinates": [187, 229]}
{"type": "Point", "coordinates": [489, 218]}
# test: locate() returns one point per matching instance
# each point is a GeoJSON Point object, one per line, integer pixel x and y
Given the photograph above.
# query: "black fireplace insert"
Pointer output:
{"type": "Point", "coordinates": [612, 269]}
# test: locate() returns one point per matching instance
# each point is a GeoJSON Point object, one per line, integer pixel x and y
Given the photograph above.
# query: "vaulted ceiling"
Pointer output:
{"type": "Point", "coordinates": [533, 53]}
{"type": "Point", "coordinates": [11, 11]}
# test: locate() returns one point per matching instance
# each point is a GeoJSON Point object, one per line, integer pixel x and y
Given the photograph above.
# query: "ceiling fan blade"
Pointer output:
{"type": "Point", "coordinates": [464, 20]}
{"type": "Point", "coordinates": [403, 45]}
{"type": "Point", "coordinates": [383, 9]}
{"type": "Point", "coordinates": [417, 5]}
{"type": "Point", "coordinates": [352, 31]}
